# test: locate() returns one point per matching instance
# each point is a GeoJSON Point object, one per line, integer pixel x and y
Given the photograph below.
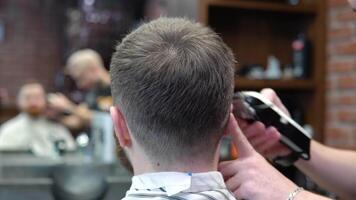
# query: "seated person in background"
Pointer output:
{"type": "Point", "coordinates": [172, 84]}
{"type": "Point", "coordinates": [30, 130]}
{"type": "Point", "coordinates": [87, 69]}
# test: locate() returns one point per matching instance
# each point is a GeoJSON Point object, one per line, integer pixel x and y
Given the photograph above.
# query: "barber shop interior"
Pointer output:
{"type": "Point", "coordinates": [178, 99]}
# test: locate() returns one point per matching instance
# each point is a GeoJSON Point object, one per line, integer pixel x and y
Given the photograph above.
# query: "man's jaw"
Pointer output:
{"type": "Point", "coordinates": [34, 112]}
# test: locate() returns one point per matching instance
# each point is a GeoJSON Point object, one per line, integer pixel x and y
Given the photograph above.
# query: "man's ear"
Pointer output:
{"type": "Point", "coordinates": [120, 126]}
{"type": "Point", "coordinates": [227, 120]}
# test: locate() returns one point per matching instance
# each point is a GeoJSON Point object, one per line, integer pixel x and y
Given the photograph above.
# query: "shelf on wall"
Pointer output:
{"type": "Point", "coordinates": [256, 84]}
{"type": "Point", "coordinates": [264, 6]}
{"type": "Point", "coordinates": [255, 29]}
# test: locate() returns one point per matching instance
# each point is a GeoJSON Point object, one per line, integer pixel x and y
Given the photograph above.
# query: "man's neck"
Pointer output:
{"type": "Point", "coordinates": [194, 165]}
{"type": "Point", "coordinates": [183, 167]}
{"type": "Point", "coordinates": [32, 116]}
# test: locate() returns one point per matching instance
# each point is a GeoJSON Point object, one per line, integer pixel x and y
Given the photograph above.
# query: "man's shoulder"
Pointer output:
{"type": "Point", "coordinates": [54, 124]}
{"type": "Point", "coordinates": [57, 126]}
{"type": "Point", "coordinates": [59, 131]}
{"type": "Point", "coordinates": [13, 134]}
{"type": "Point", "coordinates": [12, 124]}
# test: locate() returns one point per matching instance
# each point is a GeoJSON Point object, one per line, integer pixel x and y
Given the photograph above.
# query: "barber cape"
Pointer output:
{"type": "Point", "coordinates": [24, 133]}
{"type": "Point", "coordinates": [179, 186]}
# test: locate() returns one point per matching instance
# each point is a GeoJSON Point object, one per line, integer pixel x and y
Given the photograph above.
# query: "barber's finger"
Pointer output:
{"type": "Point", "coordinates": [266, 146]}
{"type": "Point", "coordinates": [236, 185]}
{"type": "Point", "coordinates": [242, 123]}
{"type": "Point", "coordinates": [273, 97]}
{"type": "Point", "coordinates": [238, 194]}
{"type": "Point", "coordinates": [255, 129]}
{"type": "Point", "coordinates": [233, 184]}
{"type": "Point", "coordinates": [230, 168]}
{"type": "Point", "coordinates": [244, 148]}
{"type": "Point", "coordinates": [225, 163]}
{"type": "Point", "coordinates": [272, 132]}
{"type": "Point", "coordinates": [269, 134]}
{"type": "Point", "coordinates": [278, 150]}
{"type": "Point", "coordinates": [258, 141]}
{"type": "Point", "coordinates": [227, 169]}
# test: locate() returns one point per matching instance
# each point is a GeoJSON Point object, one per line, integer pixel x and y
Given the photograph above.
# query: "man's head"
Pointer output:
{"type": "Point", "coordinates": [85, 66]}
{"type": "Point", "coordinates": [32, 99]}
{"type": "Point", "coordinates": [353, 4]}
{"type": "Point", "coordinates": [172, 84]}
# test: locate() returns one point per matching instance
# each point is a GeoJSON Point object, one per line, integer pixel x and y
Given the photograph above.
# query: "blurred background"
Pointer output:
{"type": "Point", "coordinates": [304, 49]}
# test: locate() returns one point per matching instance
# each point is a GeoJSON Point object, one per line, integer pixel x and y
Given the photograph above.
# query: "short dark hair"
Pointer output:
{"type": "Point", "coordinates": [173, 81]}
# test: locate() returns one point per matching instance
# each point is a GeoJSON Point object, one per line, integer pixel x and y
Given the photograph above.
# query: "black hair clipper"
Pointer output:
{"type": "Point", "coordinates": [252, 106]}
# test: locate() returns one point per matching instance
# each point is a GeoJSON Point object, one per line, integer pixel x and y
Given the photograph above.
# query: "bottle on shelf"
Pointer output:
{"type": "Point", "coordinates": [301, 56]}
{"type": "Point", "coordinates": [293, 2]}
{"type": "Point", "coordinates": [273, 68]}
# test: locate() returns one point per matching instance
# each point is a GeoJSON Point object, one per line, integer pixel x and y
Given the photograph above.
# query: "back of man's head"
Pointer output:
{"type": "Point", "coordinates": [83, 59]}
{"type": "Point", "coordinates": [173, 81]}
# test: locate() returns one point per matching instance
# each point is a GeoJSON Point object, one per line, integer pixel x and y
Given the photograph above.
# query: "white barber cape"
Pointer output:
{"type": "Point", "coordinates": [24, 133]}
{"type": "Point", "coordinates": [179, 186]}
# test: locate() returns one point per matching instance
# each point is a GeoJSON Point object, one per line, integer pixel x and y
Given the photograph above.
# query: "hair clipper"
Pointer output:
{"type": "Point", "coordinates": [252, 106]}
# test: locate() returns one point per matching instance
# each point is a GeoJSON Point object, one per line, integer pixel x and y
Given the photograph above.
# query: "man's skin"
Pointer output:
{"type": "Point", "coordinates": [32, 100]}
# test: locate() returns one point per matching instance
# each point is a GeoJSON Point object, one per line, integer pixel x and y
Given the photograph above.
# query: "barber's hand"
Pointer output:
{"type": "Point", "coordinates": [251, 176]}
{"type": "Point", "coordinates": [266, 140]}
{"type": "Point", "coordinates": [60, 102]}
{"type": "Point", "coordinates": [84, 113]}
